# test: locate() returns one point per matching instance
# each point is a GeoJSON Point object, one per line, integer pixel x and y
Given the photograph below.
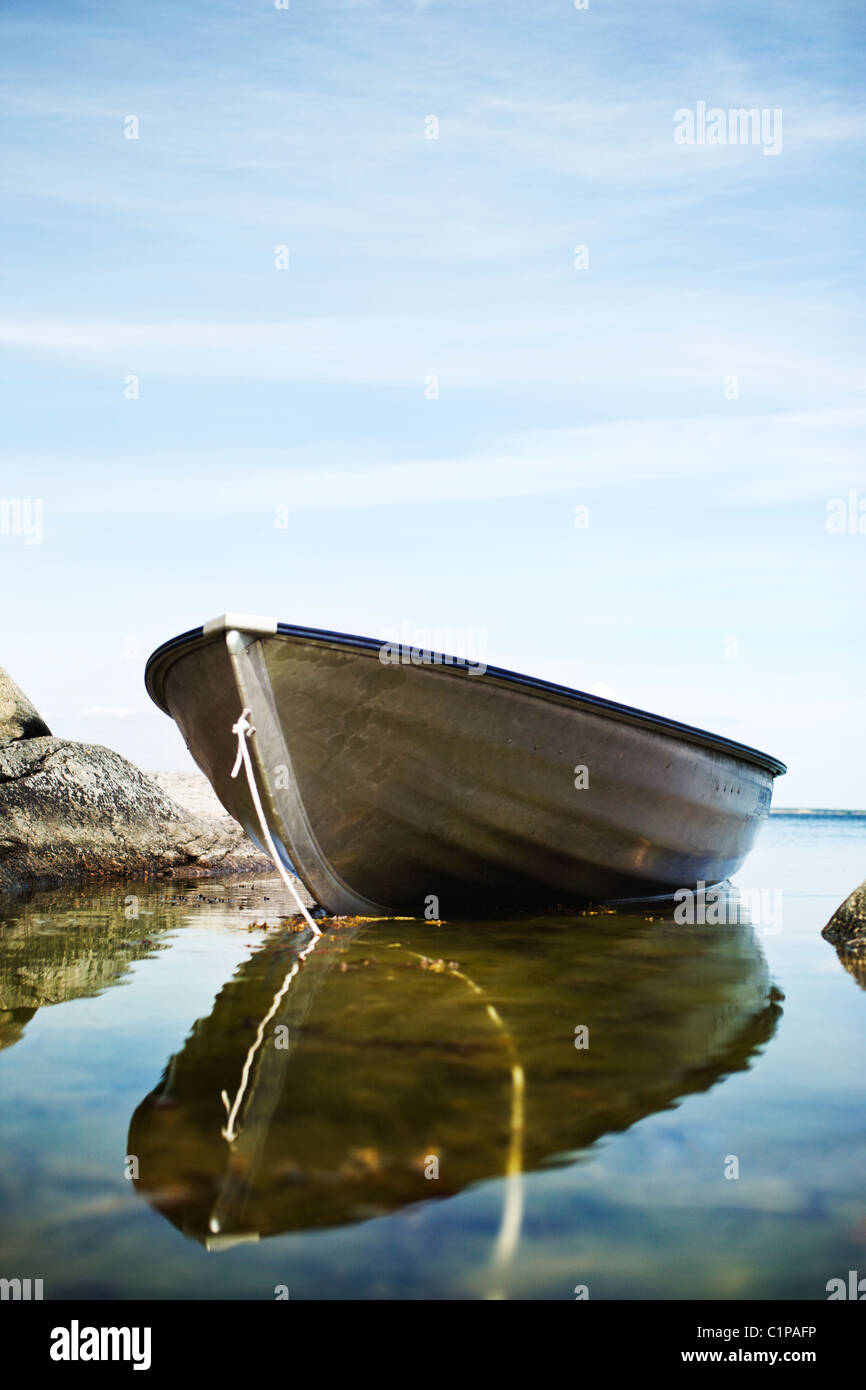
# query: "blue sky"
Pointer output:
{"type": "Point", "coordinates": [306, 389]}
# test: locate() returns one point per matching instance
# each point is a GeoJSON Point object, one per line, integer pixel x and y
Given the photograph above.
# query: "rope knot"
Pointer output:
{"type": "Point", "coordinates": [243, 728]}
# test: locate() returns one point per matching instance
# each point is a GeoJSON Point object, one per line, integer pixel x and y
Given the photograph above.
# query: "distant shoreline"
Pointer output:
{"type": "Point", "coordinates": [811, 811]}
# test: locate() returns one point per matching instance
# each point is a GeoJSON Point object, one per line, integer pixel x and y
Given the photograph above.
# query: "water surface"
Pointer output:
{"type": "Point", "coordinates": [195, 1105]}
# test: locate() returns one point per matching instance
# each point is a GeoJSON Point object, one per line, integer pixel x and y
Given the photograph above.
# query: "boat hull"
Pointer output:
{"type": "Point", "coordinates": [435, 789]}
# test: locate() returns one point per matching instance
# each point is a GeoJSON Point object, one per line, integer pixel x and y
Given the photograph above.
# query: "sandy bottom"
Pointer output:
{"type": "Point", "coordinates": [192, 791]}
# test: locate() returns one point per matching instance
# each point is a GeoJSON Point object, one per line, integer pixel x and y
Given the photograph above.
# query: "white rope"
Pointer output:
{"type": "Point", "coordinates": [230, 1133]}
{"type": "Point", "coordinates": [243, 729]}
{"type": "Point", "coordinates": [512, 1209]}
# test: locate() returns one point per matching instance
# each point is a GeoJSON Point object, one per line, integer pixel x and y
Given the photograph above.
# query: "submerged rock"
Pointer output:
{"type": "Point", "coordinates": [72, 811]}
{"type": "Point", "coordinates": [75, 942]}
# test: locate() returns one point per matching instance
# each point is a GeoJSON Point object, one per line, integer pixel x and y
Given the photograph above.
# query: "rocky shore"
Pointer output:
{"type": "Point", "coordinates": [71, 812]}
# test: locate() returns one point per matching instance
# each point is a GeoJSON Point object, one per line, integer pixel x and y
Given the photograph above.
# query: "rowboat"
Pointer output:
{"type": "Point", "coordinates": [407, 781]}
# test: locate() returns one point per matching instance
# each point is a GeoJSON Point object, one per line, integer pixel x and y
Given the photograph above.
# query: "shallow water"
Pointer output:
{"type": "Point", "coordinates": [403, 1113]}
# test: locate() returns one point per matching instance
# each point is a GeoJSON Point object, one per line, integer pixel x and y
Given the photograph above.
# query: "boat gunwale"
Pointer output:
{"type": "Point", "coordinates": [630, 714]}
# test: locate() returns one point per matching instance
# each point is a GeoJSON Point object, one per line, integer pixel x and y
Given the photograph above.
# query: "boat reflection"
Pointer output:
{"type": "Point", "coordinates": [394, 1062]}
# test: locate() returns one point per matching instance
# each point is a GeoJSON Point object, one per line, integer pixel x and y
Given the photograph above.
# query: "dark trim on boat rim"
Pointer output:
{"type": "Point", "coordinates": [158, 663]}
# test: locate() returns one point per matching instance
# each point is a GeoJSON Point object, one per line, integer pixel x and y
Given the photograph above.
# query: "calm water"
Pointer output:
{"type": "Point", "coordinates": [284, 1123]}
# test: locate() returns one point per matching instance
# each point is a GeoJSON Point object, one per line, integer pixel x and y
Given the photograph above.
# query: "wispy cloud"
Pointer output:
{"type": "Point", "coordinates": [753, 461]}
{"type": "Point", "coordinates": [573, 348]}
{"type": "Point", "coordinates": [413, 258]}
{"type": "Point", "coordinates": [107, 712]}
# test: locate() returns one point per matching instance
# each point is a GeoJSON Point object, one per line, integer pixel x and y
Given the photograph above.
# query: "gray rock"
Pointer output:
{"type": "Point", "coordinates": [847, 931]}
{"type": "Point", "coordinates": [18, 718]}
{"type": "Point", "coordinates": [75, 811]}
{"type": "Point", "coordinates": [847, 926]}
